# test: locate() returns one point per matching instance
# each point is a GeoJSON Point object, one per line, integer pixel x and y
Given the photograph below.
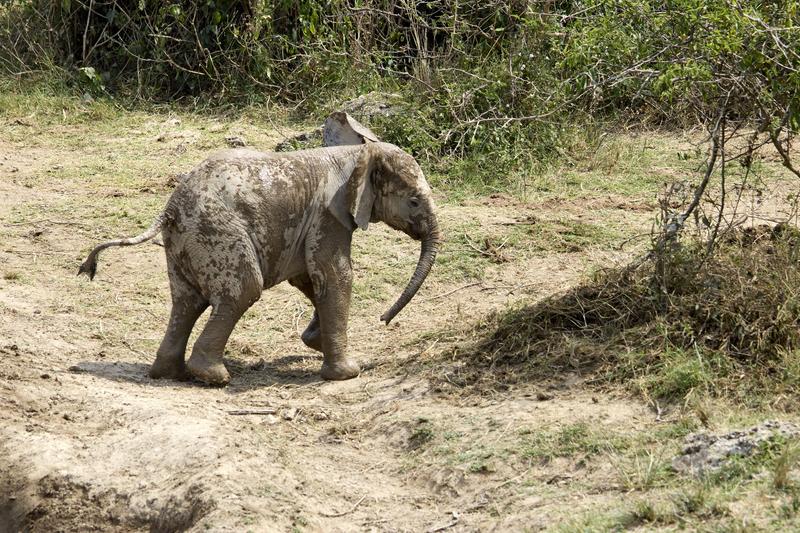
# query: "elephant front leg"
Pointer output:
{"type": "Point", "coordinates": [332, 296]}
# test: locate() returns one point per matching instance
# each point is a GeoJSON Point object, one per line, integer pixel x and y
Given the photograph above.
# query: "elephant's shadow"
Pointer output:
{"type": "Point", "coordinates": [297, 369]}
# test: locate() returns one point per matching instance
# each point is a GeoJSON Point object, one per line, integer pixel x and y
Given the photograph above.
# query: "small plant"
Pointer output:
{"type": "Point", "coordinates": [422, 434]}
{"type": "Point", "coordinates": [644, 471]}
{"type": "Point", "coordinates": [567, 441]}
{"type": "Point", "coordinates": [91, 80]}
{"type": "Point", "coordinates": [785, 462]}
{"type": "Point", "coordinates": [642, 513]}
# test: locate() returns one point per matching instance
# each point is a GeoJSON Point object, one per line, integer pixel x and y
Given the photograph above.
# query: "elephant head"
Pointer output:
{"type": "Point", "coordinates": [386, 185]}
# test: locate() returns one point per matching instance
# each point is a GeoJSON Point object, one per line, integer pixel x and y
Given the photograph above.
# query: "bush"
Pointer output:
{"type": "Point", "coordinates": [684, 321]}
{"type": "Point", "coordinates": [480, 77]}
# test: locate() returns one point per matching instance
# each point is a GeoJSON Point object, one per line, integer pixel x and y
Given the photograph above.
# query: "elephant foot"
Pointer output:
{"type": "Point", "coordinates": [312, 338]}
{"type": "Point", "coordinates": [167, 369]}
{"type": "Point", "coordinates": [208, 370]}
{"type": "Point", "coordinates": [340, 369]}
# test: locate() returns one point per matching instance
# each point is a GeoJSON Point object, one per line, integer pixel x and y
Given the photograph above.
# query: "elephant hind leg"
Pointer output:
{"type": "Point", "coordinates": [206, 363]}
{"type": "Point", "coordinates": [311, 337]}
{"type": "Point", "coordinates": [187, 306]}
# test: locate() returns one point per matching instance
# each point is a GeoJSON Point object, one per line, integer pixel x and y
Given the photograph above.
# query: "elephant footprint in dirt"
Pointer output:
{"type": "Point", "coordinates": [243, 221]}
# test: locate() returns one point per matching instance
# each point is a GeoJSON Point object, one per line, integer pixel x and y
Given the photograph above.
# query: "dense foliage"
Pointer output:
{"type": "Point", "coordinates": [500, 76]}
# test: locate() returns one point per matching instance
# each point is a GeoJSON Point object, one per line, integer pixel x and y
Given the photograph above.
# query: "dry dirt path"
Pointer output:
{"type": "Point", "coordinates": [88, 442]}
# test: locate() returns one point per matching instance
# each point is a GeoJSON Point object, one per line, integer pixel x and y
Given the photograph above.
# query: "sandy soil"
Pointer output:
{"type": "Point", "coordinates": [89, 442]}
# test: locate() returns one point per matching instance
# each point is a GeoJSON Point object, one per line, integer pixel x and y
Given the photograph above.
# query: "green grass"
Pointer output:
{"type": "Point", "coordinates": [568, 235]}
{"type": "Point", "coordinates": [568, 441]}
{"type": "Point", "coordinates": [624, 476]}
{"type": "Point", "coordinates": [756, 493]}
{"type": "Point", "coordinates": [460, 258]}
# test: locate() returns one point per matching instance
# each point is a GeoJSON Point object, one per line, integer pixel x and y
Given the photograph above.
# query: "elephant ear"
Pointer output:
{"type": "Point", "coordinates": [353, 201]}
{"type": "Point", "coordinates": [341, 129]}
{"type": "Point", "coordinates": [360, 189]}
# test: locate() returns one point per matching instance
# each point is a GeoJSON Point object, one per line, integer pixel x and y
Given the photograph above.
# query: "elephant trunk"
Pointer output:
{"type": "Point", "coordinates": [430, 246]}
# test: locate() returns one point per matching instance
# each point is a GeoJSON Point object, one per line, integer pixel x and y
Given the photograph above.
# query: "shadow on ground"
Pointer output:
{"type": "Point", "coordinates": [245, 375]}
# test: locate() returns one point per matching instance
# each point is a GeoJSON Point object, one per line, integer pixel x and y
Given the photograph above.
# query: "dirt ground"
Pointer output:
{"type": "Point", "coordinates": [89, 442]}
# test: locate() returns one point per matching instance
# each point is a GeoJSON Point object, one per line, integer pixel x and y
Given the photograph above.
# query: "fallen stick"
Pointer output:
{"type": "Point", "coordinates": [269, 411]}
{"type": "Point", "coordinates": [353, 508]}
{"type": "Point", "coordinates": [452, 523]}
{"type": "Point", "coordinates": [448, 293]}
{"type": "Point", "coordinates": [49, 221]}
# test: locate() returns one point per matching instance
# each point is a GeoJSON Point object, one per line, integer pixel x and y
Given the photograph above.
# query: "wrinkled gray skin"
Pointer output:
{"type": "Point", "coordinates": [243, 221]}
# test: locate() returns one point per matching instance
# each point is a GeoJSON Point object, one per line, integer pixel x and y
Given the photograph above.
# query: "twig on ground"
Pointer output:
{"type": "Point", "coordinates": [49, 221]}
{"type": "Point", "coordinates": [239, 412]}
{"type": "Point", "coordinates": [36, 252]}
{"type": "Point", "coordinates": [510, 481]}
{"type": "Point", "coordinates": [448, 525]}
{"type": "Point", "coordinates": [375, 522]}
{"type": "Point", "coordinates": [518, 223]}
{"type": "Point", "coordinates": [372, 365]}
{"type": "Point", "coordinates": [621, 245]}
{"type": "Point", "coordinates": [127, 344]}
{"type": "Point", "coordinates": [353, 508]}
{"type": "Point", "coordinates": [448, 293]}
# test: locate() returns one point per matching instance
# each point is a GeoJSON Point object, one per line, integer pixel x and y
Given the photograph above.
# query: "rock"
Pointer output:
{"type": "Point", "coordinates": [289, 413]}
{"type": "Point", "coordinates": [704, 452]}
{"type": "Point", "coordinates": [373, 104]}
{"type": "Point", "coordinates": [307, 139]}
{"type": "Point", "coordinates": [235, 141]}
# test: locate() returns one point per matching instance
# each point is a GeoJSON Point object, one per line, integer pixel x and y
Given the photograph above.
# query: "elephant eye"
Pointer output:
{"type": "Point", "coordinates": [413, 202]}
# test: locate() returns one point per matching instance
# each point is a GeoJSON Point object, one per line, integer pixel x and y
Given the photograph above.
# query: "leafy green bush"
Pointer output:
{"type": "Point", "coordinates": [498, 81]}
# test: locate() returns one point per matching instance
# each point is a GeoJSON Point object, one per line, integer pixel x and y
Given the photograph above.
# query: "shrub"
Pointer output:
{"type": "Point", "coordinates": [481, 78]}
{"type": "Point", "coordinates": [686, 321]}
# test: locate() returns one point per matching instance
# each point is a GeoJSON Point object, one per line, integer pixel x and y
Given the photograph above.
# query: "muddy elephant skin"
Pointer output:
{"type": "Point", "coordinates": [243, 221]}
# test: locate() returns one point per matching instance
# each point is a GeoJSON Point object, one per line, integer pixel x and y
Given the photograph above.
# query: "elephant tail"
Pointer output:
{"type": "Point", "coordinates": [89, 267]}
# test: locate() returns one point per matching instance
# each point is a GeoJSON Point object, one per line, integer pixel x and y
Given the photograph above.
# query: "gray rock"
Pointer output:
{"type": "Point", "coordinates": [235, 141]}
{"type": "Point", "coordinates": [706, 453]}
{"type": "Point", "coordinates": [373, 104]}
{"type": "Point", "coordinates": [307, 139]}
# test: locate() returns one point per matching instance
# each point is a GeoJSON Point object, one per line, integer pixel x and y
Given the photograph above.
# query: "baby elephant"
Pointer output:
{"type": "Point", "coordinates": [243, 221]}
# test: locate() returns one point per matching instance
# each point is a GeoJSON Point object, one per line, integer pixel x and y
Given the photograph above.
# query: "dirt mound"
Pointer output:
{"type": "Point", "coordinates": [58, 500]}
